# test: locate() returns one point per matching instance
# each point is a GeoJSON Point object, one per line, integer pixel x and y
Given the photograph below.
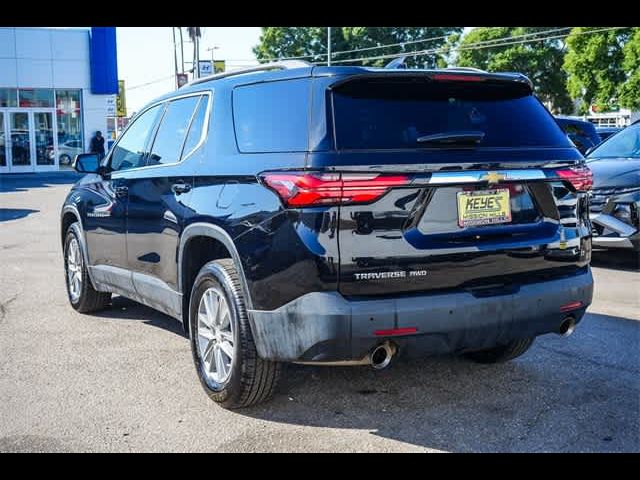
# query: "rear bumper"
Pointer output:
{"type": "Point", "coordinates": [327, 327]}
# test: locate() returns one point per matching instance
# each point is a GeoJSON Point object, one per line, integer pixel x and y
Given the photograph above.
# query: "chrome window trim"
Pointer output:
{"type": "Point", "coordinates": [203, 133]}
{"type": "Point", "coordinates": [203, 136]}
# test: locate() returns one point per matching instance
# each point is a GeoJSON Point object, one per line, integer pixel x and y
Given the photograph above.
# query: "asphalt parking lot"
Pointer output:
{"type": "Point", "coordinates": [123, 379]}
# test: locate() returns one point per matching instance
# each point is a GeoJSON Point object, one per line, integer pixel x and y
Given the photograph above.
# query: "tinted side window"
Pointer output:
{"type": "Point", "coordinates": [272, 117]}
{"type": "Point", "coordinates": [197, 124]}
{"type": "Point", "coordinates": [167, 145]}
{"type": "Point", "coordinates": [130, 150]}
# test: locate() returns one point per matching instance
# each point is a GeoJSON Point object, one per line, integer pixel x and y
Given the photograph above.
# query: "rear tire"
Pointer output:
{"type": "Point", "coordinates": [500, 353]}
{"type": "Point", "coordinates": [82, 296]}
{"type": "Point", "coordinates": [224, 353]}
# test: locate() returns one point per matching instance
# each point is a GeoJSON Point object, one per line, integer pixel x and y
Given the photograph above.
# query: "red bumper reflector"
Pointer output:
{"type": "Point", "coordinates": [395, 331]}
{"type": "Point", "coordinates": [570, 306]}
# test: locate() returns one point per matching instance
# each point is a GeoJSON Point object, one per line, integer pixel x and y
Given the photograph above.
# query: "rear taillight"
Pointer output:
{"type": "Point", "coordinates": [303, 189]}
{"type": "Point", "coordinates": [579, 176]}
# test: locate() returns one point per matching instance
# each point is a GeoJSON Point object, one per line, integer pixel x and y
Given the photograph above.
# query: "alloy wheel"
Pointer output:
{"type": "Point", "coordinates": [215, 335]}
{"type": "Point", "coordinates": [74, 269]}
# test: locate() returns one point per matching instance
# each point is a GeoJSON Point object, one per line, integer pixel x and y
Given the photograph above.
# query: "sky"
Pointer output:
{"type": "Point", "coordinates": [145, 54]}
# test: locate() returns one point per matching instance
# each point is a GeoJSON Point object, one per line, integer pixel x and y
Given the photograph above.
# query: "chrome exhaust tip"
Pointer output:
{"type": "Point", "coordinates": [381, 355]}
{"type": "Point", "coordinates": [567, 327]}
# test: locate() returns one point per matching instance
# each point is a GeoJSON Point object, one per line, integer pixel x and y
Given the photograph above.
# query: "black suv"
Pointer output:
{"type": "Point", "coordinates": [338, 216]}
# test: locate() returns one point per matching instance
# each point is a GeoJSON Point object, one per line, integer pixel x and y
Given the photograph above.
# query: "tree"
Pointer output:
{"type": "Point", "coordinates": [630, 89]}
{"type": "Point", "coordinates": [311, 42]}
{"type": "Point", "coordinates": [540, 60]}
{"type": "Point", "coordinates": [194, 35]}
{"type": "Point", "coordinates": [594, 63]}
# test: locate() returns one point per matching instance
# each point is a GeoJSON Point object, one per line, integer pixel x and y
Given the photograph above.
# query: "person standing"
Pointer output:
{"type": "Point", "coordinates": [97, 144]}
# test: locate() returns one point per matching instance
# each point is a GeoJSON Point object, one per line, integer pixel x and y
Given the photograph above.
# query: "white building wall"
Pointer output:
{"type": "Point", "coordinates": [52, 58]}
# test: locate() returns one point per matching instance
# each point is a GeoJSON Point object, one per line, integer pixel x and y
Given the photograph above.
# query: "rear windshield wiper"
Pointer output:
{"type": "Point", "coordinates": [453, 138]}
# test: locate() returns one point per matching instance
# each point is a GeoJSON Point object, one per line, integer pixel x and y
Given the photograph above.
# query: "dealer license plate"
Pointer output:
{"type": "Point", "coordinates": [483, 207]}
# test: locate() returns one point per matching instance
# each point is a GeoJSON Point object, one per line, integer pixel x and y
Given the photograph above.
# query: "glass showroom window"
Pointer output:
{"type": "Point", "coordinates": [35, 98]}
{"type": "Point", "coordinates": [69, 121]}
{"type": "Point", "coordinates": [8, 97]}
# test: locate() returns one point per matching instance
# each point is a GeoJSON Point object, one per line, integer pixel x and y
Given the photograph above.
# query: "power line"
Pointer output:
{"type": "Point", "coordinates": [388, 45]}
{"type": "Point", "coordinates": [395, 55]}
{"type": "Point", "coordinates": [496, 42]}
{"type": "Point", "coordinates": [151, 82]}
{"type": "Point", "coordinates": [492, 42]}
{"type": "Point", "coordinates": [475, 46]}
{"type": "Point", "coordinates": [399, 44]}
{"type": "Point", "coordinates": [340, 52]}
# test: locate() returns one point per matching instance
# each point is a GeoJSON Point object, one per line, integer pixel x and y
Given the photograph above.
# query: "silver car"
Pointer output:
{"type": "Point", "coordinates": [615, 200]}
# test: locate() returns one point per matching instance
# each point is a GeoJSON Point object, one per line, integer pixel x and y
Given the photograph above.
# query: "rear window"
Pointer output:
{"type": "Point", "coordinates": [393, 114]}
{"type": "Point", "coordinates": [272, 117]}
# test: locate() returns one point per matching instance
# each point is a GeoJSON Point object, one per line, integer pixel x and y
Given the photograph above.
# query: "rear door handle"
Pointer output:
{"type": "Point", "coordinates": [180, 187]}
{"type": "Point", "coordinates": [122, 191]}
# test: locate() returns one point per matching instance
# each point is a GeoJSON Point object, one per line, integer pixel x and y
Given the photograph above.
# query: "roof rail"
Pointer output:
{"type": "Point", "coordinates": [282, 65]}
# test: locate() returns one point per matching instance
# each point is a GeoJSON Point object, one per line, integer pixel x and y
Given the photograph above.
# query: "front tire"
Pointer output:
{"type": "Point", "coordinates": [82, 296]}
{"type": "Point", "coordinates": [501, 353]}
{"type": "Point", "coordinates": [224, 352]}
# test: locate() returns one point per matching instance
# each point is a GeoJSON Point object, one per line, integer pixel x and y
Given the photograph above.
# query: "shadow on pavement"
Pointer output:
{"type": "Point", "coordinates": [128, 310]}
{"type": "Point", "coordinates": [566, 394]}
{"type": "Point", "coordinates": [24, 182]}
{"type": "Point", "coordinates": [580, 393]}
{"type": "Point", "coordinates": [616, 259]}
{"type": "Point", "coordinates": [7, 214]}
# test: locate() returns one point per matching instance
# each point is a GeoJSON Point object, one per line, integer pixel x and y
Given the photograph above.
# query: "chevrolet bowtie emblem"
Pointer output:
{"type": "Point", "coordinates": [494, 177]}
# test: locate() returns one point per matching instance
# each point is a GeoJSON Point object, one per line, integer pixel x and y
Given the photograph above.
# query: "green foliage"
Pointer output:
{"type": "Point", "coordinates": [280, 42]}
{"type": "Point", "coordinates": [594, 63]}
{"type": "Point", "coordinates": [541, 61]}
{"type": "Point", "coordinates": [630, 89]}
{"type": "Point", "coordinates": [597, 68]}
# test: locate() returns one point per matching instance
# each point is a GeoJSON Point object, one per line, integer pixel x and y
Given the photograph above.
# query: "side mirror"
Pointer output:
{"type": "Point", "coordinates": [86, 163]}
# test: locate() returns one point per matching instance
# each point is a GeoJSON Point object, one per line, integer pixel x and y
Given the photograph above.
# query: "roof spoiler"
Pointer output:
{"type": "Point", "coordinates": [516, 78]}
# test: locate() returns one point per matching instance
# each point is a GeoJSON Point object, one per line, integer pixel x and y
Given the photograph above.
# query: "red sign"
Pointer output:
{"type": "Point", "coordinates": [183, 79]}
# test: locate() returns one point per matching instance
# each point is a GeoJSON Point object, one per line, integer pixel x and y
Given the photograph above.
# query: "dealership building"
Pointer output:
{"type": "Point", "coordinates": [57, 87]}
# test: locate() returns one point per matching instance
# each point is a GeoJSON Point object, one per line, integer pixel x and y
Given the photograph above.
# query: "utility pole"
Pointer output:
{"type": "Point", "coordinates": [196, 45]}
{"type": "Point", "coordinates": [328, 46]}
{"type": "Point", "coordinates": [175, 54]}
{"type": "Point", "coordinates": [181, 49]}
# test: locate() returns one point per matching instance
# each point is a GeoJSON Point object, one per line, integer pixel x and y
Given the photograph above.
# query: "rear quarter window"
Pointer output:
{"type": "Point", "coordinates": [393, 114]}
{"type": "Point", "coordinates": [272, 117]}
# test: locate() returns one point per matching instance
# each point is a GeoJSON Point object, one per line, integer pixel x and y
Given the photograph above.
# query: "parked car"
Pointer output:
{"type": "Point", "coordinates": [615, 203]}
{"type": "Point", "coordinates": [606, 132]}
{"type": "Point", "coordinates": [67, 151]}
{"type": "Point", "coordinates": [337, 216]}
{"type": "Point", "coordinates": [581, 132]}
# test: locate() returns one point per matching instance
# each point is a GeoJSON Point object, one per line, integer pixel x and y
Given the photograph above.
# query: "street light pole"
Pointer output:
{"type": "Point", "coordinates": [211, 49]}
{"type": "Point", "coordinates": [328, 46]}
